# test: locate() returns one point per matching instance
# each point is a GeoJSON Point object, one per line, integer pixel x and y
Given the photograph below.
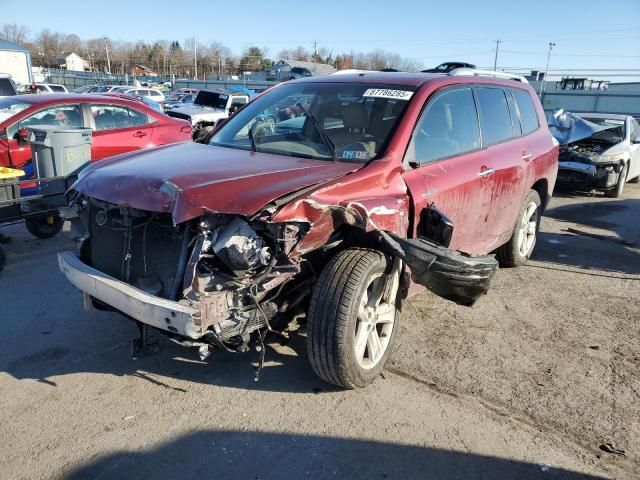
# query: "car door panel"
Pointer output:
{"type": "Point", "coordinates": [113, 133]}
{"type": "Point", "coordinates": [450, 171]}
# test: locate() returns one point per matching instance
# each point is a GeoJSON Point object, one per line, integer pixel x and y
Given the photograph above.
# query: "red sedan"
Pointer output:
{"type": "Point", "coordinates": [119, 125]}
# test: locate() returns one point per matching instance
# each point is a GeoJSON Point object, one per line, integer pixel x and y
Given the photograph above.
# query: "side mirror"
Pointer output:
{"type": "Point", "coordinates": [23, 136]}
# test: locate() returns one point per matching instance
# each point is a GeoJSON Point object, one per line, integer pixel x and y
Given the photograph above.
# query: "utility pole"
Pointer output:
{"type": "Point", "coordinates": [315, 58]}
{"type": "Point", "coordinates": [195, 57]}
{"type": "Point", "coordinates": [106, 48]}
{"type": "Point", "coordinates": [495, 60]}
{"type": "Point", "coordinates": [546, 72]}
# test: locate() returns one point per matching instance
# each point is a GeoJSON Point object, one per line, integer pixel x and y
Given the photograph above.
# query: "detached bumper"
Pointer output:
{"type": "Point", "coordinates": [154, 311]}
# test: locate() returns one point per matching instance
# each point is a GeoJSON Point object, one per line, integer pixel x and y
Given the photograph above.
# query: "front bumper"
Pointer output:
{"type": "Point", "coordinates": [587, 175]}
{"type": "Point", "coordinates": [157, 312]}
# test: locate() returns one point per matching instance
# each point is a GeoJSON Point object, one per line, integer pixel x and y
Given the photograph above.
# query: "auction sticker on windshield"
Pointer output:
{"type": "Point", "coordinates": [384, 93]}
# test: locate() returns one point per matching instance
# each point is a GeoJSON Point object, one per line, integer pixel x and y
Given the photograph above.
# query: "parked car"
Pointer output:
{"type": "Point", "coordinates": [393, 178]}
{"type": "Point", "coordinates": [119, 125]}
{"type": "Point", "coordinates": [153, 94]}
{"type": "Point", "coordinates": [209, 107]}
{"type": "Point", "coordinates": [449, 66]}
{"type": "Point", "coordinates": [137, 98]}
{"type": "Point", "coordinates": [178, 100]}
{"type": "Point", "coordinates": [44, 88]}
{"type": "Point", "coordinates": [598, 150]}
{"type": "Point", "coordinates": [7, 88]}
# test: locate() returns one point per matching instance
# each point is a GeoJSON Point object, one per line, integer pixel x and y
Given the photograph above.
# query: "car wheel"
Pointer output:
{"type": "Point", "coordinates": [622, 179]}
{"type": "Point", "coordinates": [44, 227]}
{"type": "Point", "coordinates": [353, 317]}
{"type": "Point", "coordinates": [520, 246]}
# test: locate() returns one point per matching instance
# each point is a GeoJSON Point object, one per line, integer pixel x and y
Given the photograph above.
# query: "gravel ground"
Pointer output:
{"type": "Point", "coordinates": [528, 383]}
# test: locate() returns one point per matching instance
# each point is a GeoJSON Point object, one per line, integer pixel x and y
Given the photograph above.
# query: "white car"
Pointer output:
{"type": "Point", "coordinates": [209, 107]}
{"type": "Point", "coordinates": [44, 88]}
{"type": "Point", "coordinates": [152, 93]}
{"type": "Point", "coordinates": [598, 150]}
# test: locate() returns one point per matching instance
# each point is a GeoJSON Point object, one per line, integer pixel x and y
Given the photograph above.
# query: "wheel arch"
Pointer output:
{"type": "Point", "coordinates": [542, 187]}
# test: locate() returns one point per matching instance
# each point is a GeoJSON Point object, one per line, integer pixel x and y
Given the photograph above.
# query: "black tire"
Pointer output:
{"type": "Point", "coordinates": [3, 258]}
{"type": "Point", "coordinates": [44, 227]}
{"type": "Point", "coordinates": [622, 179]}
{"type": "Point", "coordinates": [510, 254]}
{"type": "Point", "coordinates": [333, 313]}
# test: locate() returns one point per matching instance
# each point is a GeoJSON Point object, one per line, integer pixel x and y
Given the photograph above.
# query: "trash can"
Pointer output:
{"type": "Point", "coordinates": [59, 151]}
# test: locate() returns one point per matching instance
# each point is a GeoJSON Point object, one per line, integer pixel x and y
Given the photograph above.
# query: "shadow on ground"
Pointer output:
{"type": "Point", "coordinates": [615, 250]}
{"type": "Point", "coordinates": [257, 455]}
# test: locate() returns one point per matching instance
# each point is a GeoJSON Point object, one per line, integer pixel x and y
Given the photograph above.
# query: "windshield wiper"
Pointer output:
{"type": "Point", "coordinates": [323, 136]}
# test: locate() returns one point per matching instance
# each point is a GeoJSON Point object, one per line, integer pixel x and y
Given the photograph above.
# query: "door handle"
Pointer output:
{"type": "Point", "coordinates": [140, 134]}
{"type": "Point", "coordinates": [526, 156]}
{"type": "Point", "coordinates": [486, 172]}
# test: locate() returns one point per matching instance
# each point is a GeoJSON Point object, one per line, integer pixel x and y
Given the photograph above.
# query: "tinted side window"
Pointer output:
{"type": "Point", "coordinates": [448, 126]}
{"type": "Point", "coordinates": [513, 111]}
{"type": "Point", "coordinates": [110, 117]}
{"type": "Point", "coordinates": [528, 115]}
{"type": "Point", "coordinates": [494, 115]}
{"type": "Point", "coordinates": [137, 118]}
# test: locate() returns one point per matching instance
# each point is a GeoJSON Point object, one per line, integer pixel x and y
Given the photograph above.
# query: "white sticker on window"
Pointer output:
{"type": "Point", "coordinates": [385, 93]}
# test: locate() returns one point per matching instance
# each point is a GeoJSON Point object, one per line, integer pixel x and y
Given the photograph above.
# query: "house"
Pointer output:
{"type": "Point", "coordinates": [15, 60]}
{"type": "Point", "coordinates": [138, 70]}
{"type": "Point", "coordinates": [72, 61]}
{"type": "Point", "coordinates": [287, 69]}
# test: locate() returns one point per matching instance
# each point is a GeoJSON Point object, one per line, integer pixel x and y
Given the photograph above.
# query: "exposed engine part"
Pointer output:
{"type": "Point", "coordinates": [239, 247]}
{"type": "Point", "coordinates": [586, 148]}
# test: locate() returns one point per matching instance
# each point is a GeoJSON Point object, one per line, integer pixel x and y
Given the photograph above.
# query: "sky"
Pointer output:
{"type": "Point", "coordinates": [589, 34]}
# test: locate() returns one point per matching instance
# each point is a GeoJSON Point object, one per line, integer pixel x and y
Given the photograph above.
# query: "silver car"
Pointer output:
{"type": "Point", "coordinates": [598, 150]}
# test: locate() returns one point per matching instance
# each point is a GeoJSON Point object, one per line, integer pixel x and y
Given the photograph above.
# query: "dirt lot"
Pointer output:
{"type": "Point", "coordinates": [526, 384]}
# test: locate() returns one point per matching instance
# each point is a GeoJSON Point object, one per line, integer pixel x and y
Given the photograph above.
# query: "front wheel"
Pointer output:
{"type": "Point", "coordinates": [519, 248]}
{"type": "Point", "coordinates": [353, 317]}
{"type": "Point", "coordinates": [44, 227]}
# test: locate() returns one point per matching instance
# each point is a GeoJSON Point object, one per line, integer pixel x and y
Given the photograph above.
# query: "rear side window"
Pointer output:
{"type": "Point", "coordinates": [448, 127]}
{"type": "Point", "coordinates": [113, 117]}
{"type": "Point", "coordinates": [495, 119]}
{"type": "Point", "coordinates": [528, 116]}
{"type": "Point", "coordinates": [57, 88]}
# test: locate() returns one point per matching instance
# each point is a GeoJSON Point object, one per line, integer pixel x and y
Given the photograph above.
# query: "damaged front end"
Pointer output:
{"type": "Point", "coordinates": [590, 154]}
{"type": "Point", "coordinates": [211, 280]}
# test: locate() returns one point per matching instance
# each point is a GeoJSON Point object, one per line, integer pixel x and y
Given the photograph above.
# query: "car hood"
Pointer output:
{"type": "Point", "coordinates": [190, 179]}
{"type": "Point", "coordinates": [567, 127]}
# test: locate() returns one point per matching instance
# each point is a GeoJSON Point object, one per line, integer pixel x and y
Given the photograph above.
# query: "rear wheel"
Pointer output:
{"type": "Point", "coordinates": [353, 317]}
{"type": "Point", "coordinates": [622, 179]}
{"type": "Point", "coordinates": [44, 227]}
{"type": "Point", "coordinates": [520, 246]}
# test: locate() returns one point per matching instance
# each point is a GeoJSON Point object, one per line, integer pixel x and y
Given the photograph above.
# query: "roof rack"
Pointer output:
{"type": "Point", "coordinates": [473, 72]}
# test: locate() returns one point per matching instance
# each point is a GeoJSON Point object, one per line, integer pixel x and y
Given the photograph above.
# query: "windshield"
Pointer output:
{"type": "Point", "coordinates": [608, 122]}
{"type": "Point", "coordinates": [212, 99]}
{"type": "Point", "coordinates": [342, 121]}
{"type": "Point", "coordinates": [10, 107]}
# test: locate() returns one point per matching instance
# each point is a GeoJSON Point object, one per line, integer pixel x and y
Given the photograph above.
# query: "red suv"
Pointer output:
{"type": "Point", "coordinates": [386, 181]}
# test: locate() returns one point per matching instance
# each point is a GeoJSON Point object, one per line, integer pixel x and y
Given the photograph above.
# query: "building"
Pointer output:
{"type": "Point", "coordinates": [142, 71]}
{"type": "Point", "coordinates": [72, 61]}
{"type": "Point", "coordinates": [284, 70]}
{"type": "Point", "coordinates": [16, 61]}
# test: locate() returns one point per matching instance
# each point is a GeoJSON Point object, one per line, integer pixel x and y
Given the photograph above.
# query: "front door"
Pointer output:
{"type": "Point", "coordinates": [449, 170]}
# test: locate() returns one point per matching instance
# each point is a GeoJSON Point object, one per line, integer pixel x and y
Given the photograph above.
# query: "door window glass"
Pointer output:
{"type": "Point", "coordinates": [495, 119]}
{"type": "Point", "coordinates": [448, 127]}
{"type": "Point", "coordinates": [62, 115]}
{"type": "Point", "coordinates": [528, 115]}
{"type": "Point", "coordinates": [110, 117]}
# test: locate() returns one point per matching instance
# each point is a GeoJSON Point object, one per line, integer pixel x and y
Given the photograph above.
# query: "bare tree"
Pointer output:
{"type": "Point", "coordinates": [14, 33]}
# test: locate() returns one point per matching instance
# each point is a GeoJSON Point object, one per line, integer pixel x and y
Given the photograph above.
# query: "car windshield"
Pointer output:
{"type": "Point", "coordinates": [608, 122]}
{"type": "Point", "coordinates": [339, 121]}
{"type": "Point", "coordinates": [10, 107]}
{"type": "Point", "coordinates": [212, 99]}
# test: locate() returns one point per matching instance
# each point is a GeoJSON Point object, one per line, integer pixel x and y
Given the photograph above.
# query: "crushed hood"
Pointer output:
{"type": "Point", "coordinates": [190, 179]}
{"type": "Point", "coordinates": [567, 127]}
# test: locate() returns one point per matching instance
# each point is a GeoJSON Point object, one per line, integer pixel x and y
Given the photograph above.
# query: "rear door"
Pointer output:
{"type": "Point", "coordinates": [448, 168]}
{"type": "Point", "coordinates": [507, 154]}
{"type": "Point", "coordinates": [118, 129]}
{"type": "Point", "coordinates": [634, 147]}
